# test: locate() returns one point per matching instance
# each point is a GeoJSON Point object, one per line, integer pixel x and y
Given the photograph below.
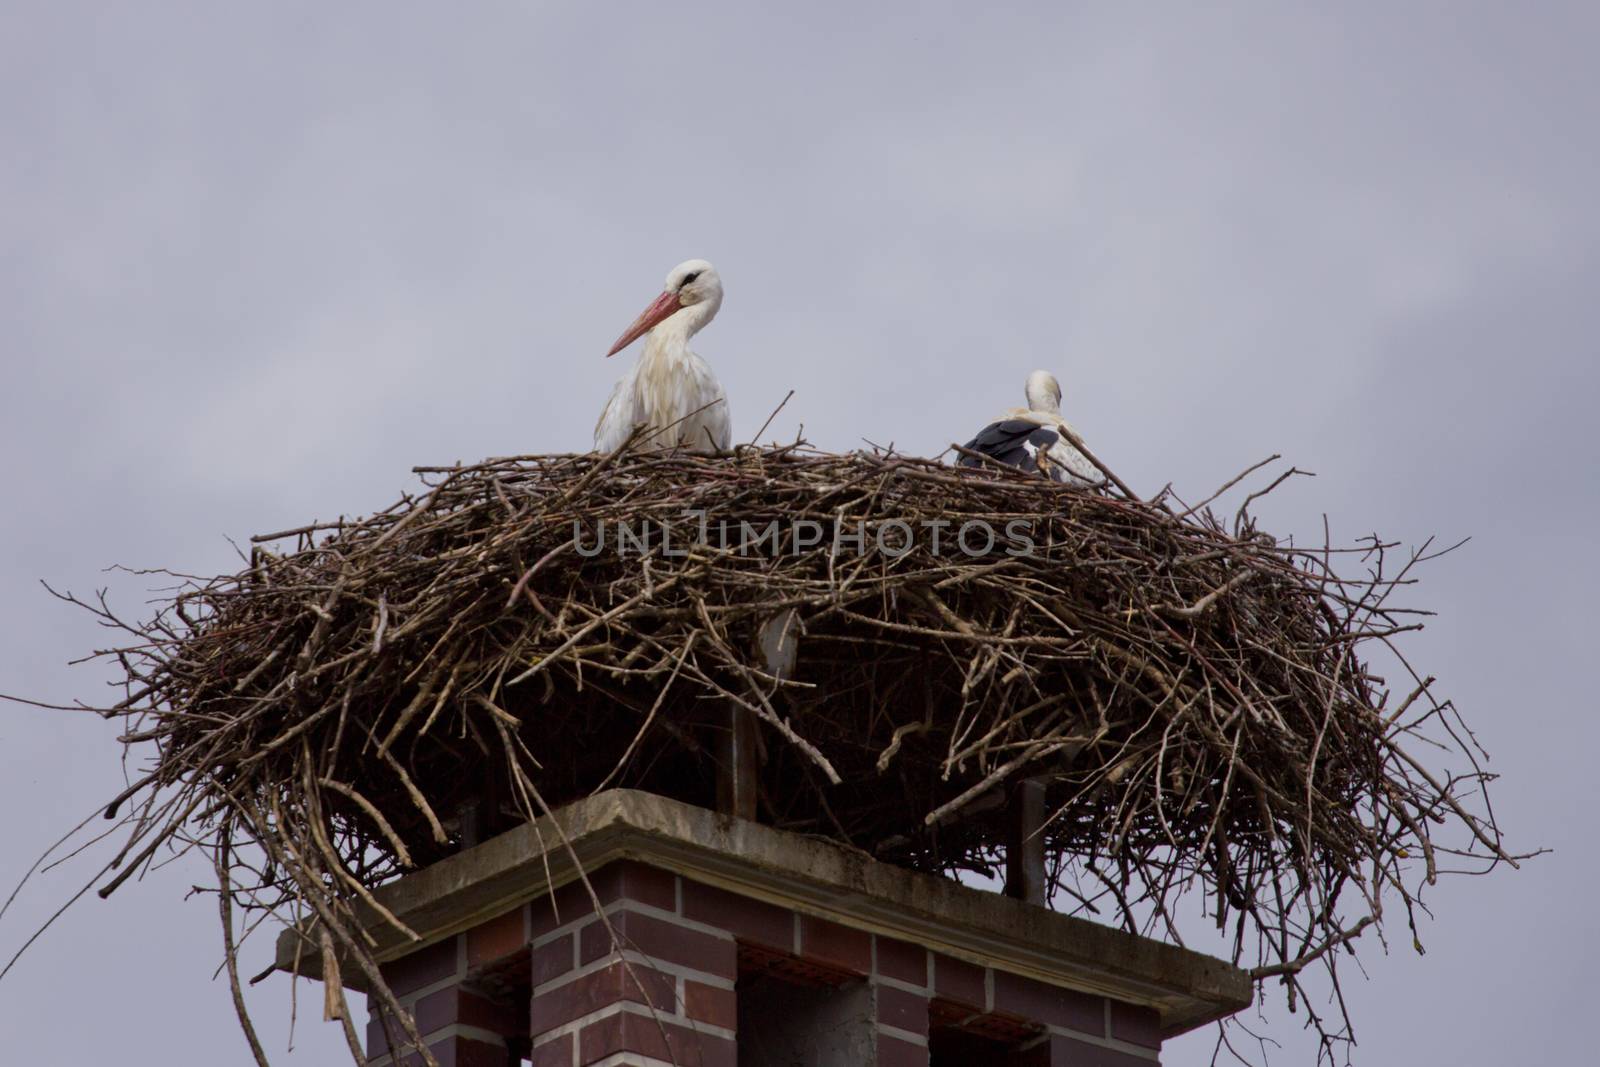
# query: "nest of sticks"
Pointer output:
{"type": "Point", "coordinates": [911, 637]}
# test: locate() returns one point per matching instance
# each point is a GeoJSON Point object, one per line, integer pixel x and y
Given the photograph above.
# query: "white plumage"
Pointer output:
{"type": "Point", "coordinates": [671, 391]}
{"type": "Point", "coordinates": [1037, 438]}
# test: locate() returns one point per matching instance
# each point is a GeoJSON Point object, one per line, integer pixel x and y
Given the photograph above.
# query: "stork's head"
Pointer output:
{"type": "Point", "coordinates": [693, 287]}
{"type": "Point", "coordinates": [696, 282]}
{"type": "Point", "coordinates": [1044, 392]}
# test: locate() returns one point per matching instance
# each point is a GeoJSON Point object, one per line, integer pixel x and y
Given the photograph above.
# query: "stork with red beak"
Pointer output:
{"type": "Point", "coordinates": [670, 391]}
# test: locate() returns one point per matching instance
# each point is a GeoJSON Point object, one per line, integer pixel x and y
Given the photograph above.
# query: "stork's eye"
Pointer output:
{"type": "Point", "coordinates": [687, 278]}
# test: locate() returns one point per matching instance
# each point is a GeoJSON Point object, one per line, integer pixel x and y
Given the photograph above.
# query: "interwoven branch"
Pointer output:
{"type": "Point", "coordinates": [1196, 697]}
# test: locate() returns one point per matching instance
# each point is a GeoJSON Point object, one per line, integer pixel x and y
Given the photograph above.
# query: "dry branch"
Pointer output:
{"type": "Point", "coordinates": [1193, 696]}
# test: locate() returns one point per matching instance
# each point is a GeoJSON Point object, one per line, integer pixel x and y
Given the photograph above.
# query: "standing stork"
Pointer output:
{"type": "Point", "coordinates": [670, 391]}
{"type": "Point", "coordinates": [1037, 438]}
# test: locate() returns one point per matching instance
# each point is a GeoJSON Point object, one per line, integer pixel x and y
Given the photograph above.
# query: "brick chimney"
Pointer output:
{"type": "Point", "coordinates": [719, 942]}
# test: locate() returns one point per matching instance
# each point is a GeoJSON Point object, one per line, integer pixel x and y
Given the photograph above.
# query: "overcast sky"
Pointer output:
{"type": "Point", "coordinates": [258, 260]}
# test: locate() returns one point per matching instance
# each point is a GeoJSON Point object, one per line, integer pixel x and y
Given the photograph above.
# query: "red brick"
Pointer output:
{"type": "Point", "coordinates": [557, 1053]}
{"type": "Point", "coordinates": [628, 880]}
{"type": "Point", "coordinates": [907, 1011]}
{"type": "Point", "coordinates": [497, 938]}
{"type": "Point", "coordinates": [708, 1004]}
{"type": "Point", "coordinates": [835, 944]}
{"type": "Point", "coordinates": [958, 980]}
{"type": "Point", "coordinates": [1037, 1002]}
{"type": "Point", "coordinates": [600, 989]}
{"type": "Point", "coordinates": [552, 959]}
{"type": "Point", "coordinates": [460, 1052]}
{"type": "Point", "coordinates": [1038, 1054]}
{"type": "Point", "coordinates": [379, 1030]}
{"type": "Point", "coordinates": [746, 919]}
{"type": "Point", "coordinates": [422, 967]}
{"type": "Point", "coordinates": [902, 961]}
{"type": "Point", "coordinates": [627, 1032]}
{"type": "Point", "coordinates": [472, 1053]}
{"type": "Point", "coordinates": [893, 1052]}
{"type": "Point", "coordinates": [1136, 1024]}
{"type": "Point", "coordinates": [1065, 1052]}
{"type": "Point", "coordinates": [616, 881]}
{"type": "Point", "coordinates": [662, 939]}
{"type": "Point", "coordinates": [455, 1005]}
{"type": "Point", "coordinates": [566, 904]}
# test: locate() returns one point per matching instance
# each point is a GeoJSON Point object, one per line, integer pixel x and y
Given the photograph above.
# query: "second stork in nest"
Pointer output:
{"type": "Point", "coordinates": [1037, 438]}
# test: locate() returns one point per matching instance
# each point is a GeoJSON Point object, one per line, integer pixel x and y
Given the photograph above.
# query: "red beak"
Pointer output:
{"type": "Point", "coordinates": [665, 305]}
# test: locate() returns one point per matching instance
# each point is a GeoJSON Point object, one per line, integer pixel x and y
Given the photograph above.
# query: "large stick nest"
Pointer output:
{"type": "Point", "coordinates": [1193, 694]}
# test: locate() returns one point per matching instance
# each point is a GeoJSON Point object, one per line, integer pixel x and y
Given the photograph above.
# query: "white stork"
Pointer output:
{"type": "Point", "coordinates": [1037, 438]}
{"type": "Point", "coordinates": [670, 390]}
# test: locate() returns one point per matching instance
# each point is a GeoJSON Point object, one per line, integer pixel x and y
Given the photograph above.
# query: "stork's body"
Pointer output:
{"type": "Point", "coordinates": [671, 392]}
{"type": "Point", "coordinates": [1037, 438]}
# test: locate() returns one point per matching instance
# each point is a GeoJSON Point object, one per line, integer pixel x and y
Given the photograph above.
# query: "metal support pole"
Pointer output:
{"type": "Point", "coordinates": [1025, 871]}
{"type": "Point", "coordinates": [736, 777]}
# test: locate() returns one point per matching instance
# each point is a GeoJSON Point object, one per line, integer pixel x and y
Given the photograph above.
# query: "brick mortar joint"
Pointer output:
{"type": "Point", "coordinates": [628, 904]}
{"type": "Point", "coordinates": [630, 1059]}
{"type": "Point", "coordinates": [449, 1030]}
{"type": "Point", "coordinates": [902, 986]}
{"type": "Point", "coordinates": [628, 1007]}
{"type": "Point", "coordinates": [410, 1000]}
{"type": "Point", "coordinates": [637, 959]}
{"type": "Point", "coordinates": [1142, 1051]}
{"type": "Point", "coordinates": [908, 1036]}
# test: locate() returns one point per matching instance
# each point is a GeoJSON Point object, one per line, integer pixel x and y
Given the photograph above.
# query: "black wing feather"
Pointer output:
{"type": "Point", "coordinates": [1014, 442]}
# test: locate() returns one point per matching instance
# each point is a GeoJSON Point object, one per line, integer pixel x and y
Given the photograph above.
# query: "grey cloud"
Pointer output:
{"type": "Point", "coordinates": [259, 261]}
